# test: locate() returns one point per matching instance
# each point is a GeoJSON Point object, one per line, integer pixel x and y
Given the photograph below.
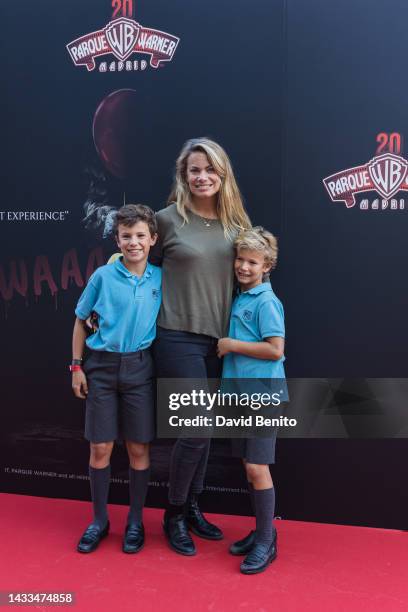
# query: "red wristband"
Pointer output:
{"type": "Point", "coordinates": [75, 368]}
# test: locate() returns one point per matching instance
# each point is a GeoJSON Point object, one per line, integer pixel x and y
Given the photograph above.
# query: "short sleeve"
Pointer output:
{"type": "Point", "coordinates": [271, 320]}
{"type": "Point", "coordinates": [88, 298]}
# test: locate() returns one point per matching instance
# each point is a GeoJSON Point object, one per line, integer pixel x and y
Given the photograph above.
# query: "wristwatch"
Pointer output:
{"type": "Point", "coordinates": [76, 365]}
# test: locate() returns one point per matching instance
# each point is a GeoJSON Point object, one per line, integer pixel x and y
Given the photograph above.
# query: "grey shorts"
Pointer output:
{"type": "Point", "coordinates": [255, 450]}
{"type": "Point", "coordinates": [120, 400]}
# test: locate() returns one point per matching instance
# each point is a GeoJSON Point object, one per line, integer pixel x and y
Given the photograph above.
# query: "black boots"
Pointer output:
{"type": "Point", "coordinates": [178, 520]}
{"type": "Point", "coordinates": [176, 531]}
{"type": "Point", "coordinates": [198, 524]}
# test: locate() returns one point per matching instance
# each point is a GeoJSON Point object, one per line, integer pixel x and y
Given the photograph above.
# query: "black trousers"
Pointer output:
{"type": "Point", "coordinates": [179, 354]}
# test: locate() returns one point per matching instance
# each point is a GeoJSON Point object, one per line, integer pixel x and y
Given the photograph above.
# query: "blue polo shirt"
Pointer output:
{"type": "Point", "coordinates": [127, 307]}
{"type": "Point", "coordinates": [256, 314]}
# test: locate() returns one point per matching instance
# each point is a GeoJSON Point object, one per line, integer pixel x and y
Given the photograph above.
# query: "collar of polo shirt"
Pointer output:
{"type": "Point", "coordinates": [256, 290]}
{"type": "Point", "coordinates": [123, 269]}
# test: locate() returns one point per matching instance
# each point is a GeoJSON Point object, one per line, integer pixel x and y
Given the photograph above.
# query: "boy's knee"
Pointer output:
{"type": "Point", "coordinates": [255, 470]}
{"type": "Point", "coordinates": [137, 451]}
{"type": "Point", "coordinates": [138, 455]}
{"type": "Point", "coordinates": [101, 451]}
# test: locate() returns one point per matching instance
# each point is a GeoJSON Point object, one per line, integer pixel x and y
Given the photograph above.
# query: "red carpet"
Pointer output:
{"type": "Point", "coordinates": [320, 567]}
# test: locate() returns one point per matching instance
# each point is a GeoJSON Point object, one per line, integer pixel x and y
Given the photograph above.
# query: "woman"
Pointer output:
{"type": "Point", "coordinates": [196, 233]}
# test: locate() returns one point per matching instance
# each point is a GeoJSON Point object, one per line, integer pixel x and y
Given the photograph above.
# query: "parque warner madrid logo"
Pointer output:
{"type": "Point", "coordinates": [122, 37]}
{"type": "Point", "coordinates": [385, 173]}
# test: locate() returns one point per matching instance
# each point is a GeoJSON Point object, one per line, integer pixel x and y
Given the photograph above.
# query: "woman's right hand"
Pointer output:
{"type": "Point", "coordinates": [79, 384]}
{"type": "Point", "coordinates": [92, 323]}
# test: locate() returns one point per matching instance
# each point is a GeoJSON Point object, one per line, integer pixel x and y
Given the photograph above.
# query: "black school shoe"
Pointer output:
{"type": "Point", "coordinates": [244, 546]}
{"type": "Point", "coordinates": [259, 558]}
{"type": "Point", "coordinates": [199, 525]}
{"type": "Point", "coordinates": [176, 531]}
{"type": "Point", "coordinates": [134, 538]}
{"type": "Point", "coordinates": [91, 538]}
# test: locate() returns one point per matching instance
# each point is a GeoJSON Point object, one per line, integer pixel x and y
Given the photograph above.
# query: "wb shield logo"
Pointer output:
{"type": "Point", "coordinates": [122, 36]}
{"type": "Point", "coordinates": [387, 173]}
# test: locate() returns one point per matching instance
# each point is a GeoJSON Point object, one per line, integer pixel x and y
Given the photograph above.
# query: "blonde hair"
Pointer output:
{"type": "Point", "coordinates": [230, 207]}
{"type": "Point", "coordinates": [259, 239]}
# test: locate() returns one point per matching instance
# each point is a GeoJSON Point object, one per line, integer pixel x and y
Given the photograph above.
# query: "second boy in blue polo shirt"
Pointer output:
{"type": "Point", "coordinates": [117, 378]}
{"type": "Point", "coordinates": [256, 314]}
{"type": "Point", "coordinates": [254, 350]}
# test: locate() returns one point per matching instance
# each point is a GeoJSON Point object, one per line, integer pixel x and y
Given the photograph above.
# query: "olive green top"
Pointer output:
{"type": "Point", "coordinates": [198, 279]}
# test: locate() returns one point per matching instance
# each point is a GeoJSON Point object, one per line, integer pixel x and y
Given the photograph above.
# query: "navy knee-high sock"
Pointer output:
{"type": "Point", "coordinates": [264, 510]}
{"type": "Point", "coordinates": [100, 480]}
{"type": "Point", "coordinates": [251, 497]}
{"type": "Point", "coordinates": [138, 485]}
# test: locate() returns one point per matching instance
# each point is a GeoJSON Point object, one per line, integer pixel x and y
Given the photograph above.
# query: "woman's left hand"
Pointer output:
{"type": "Point", "coordinates": [225, 346]}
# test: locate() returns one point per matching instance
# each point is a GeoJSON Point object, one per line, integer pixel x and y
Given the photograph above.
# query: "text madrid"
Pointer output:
{"type": "Point", "coordinates": [221, 421]}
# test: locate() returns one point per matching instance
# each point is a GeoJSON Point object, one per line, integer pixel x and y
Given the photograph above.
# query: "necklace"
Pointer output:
{"type": "Point", "coordinates": [208, 221]}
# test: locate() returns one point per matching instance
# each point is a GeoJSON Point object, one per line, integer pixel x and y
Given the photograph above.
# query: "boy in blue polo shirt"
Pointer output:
{"type": "Point", "coordinates": [254, 349]}
{"type": "Point", "coordinates": [117, 377]}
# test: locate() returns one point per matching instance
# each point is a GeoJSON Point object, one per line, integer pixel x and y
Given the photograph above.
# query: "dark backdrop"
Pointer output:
{"type": "Point", "coordinates": [295, 92]}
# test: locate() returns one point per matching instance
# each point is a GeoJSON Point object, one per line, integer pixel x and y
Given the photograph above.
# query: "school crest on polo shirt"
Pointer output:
{"type": "Point", "coordinates": [155, 293]}
{"type": "Point", "coordinates": [247, 315]}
